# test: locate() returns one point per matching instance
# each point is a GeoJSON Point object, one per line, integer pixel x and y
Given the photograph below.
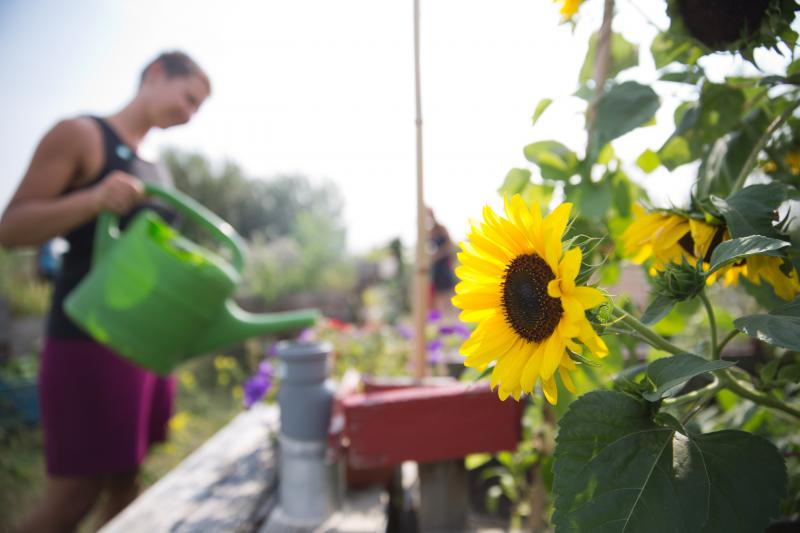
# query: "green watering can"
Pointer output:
{"type": "Point", "coordinates": [158, 299]}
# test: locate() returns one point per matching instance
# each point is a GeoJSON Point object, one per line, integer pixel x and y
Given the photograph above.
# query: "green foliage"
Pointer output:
{"type": "Point", "coordinates": [781, 327]}
{"type": "Point", "coordinates": [296, 233]}
{"type": "Point", "coordinates": [735, 250]}
{"type": "Point", "coordinates": [623, 108]}
{"type": "Point", "coordinates": [252, 205]}
{"type": "Point", "coordinates": [728, 154]}
{"type": "Point", "coordinates": [658, 308]}
{"type": "Point", "coordinates": [667, 49]}
{"type": "Point", "coordinates": [668, 374]}
{"type": "Point", "coordinates": [750, 211]}
{"type": "Point", "coordinates": [660, 455]}
{"type": "Point", "coordinates": [555, 161]}
{"type": "Point", "coordinates": [624, 55]}
{"type": "Point", "coordinates": [617, 469]}
{"type": "Point", "coordinates": [543, 104]}
{"type": "Point", "coordinates": [516, 181]}
{"type": "Point", "coordinates": [680, 281]}
{"type": "Point", "coordinates": [25, 293]}
{"type": "Point", "coordinates": [371, 350]}
{"type": "Point", "coordinates": [648, 161]}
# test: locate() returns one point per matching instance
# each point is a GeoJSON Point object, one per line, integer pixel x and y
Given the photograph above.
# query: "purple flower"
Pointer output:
{"type": "Point", "coordinates": [462, 330]}
{"type": "Point", "coordinates": [405, 331]}
{"type": "Point", "coordinates": [455, 329]}
{"type": "Point", "coordinates": [447, 330]}
{"type": "Point", "coordinates": [307, 335]}
{"type": "Point", "coordinates": [435, 345]}
{"type": "Point", "coordinates": [434, 315]}
{"type": "Point", "coordinates": [435, 357]}
{"type": "Point", "coordinates": [272, 351]}
{"type": "Point", "coordinates": [265, 368]}
{"type": "Point", "coordinates": [258, 385]}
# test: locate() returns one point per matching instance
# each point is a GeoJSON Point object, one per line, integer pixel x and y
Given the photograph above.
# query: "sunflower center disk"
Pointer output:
{"type": "Point", "coordinates": [529, 310]}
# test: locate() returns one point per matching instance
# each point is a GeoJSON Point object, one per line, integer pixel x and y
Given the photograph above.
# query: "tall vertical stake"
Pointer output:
{"type": "Point", "coordinates": [421, 271]}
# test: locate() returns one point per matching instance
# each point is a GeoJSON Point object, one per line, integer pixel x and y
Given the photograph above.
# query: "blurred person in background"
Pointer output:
{"type": "Point", "coordinates": [442, 277]}
{"type": "Point", "coordinates": [100, 412]}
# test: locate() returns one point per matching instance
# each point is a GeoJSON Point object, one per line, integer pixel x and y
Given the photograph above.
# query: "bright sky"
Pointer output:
{"type": "Point", "coordinates": [326, 89]}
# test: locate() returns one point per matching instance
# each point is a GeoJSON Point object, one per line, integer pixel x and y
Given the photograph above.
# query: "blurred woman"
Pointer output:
{"type": "Point", "coordinates": [100, 413]}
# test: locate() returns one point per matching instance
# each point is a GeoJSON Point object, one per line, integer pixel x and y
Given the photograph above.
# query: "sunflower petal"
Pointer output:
{"type": "Point", "coordinates": [489, 348]}
{"type": "Point", "coordinates": [566, 379]}
{"type": "Point", "coordinates": [554, 288]}
{"type": "Point", "coordinates": [550, 390]}
{"type": "Point", "coordinates": [475, 315]}
{"type": "Point", "coordinates": [588, 297]}
{"type": "Point", "coordinates": [531, 371]}
{"type": "Point", "coordinates": [556, 222]}
{"type": "Point", "coordinates": [570, 265]}
{"type": "Point", "coordinates": [573, 310]}
{"type": "Point", "coordinates": [553, 350]}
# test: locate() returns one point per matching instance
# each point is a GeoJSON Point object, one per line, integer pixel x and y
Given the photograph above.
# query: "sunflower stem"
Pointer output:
{"type": "Point", "coordinates": [712, 324]}
{"type": "Point", "coordinates": [695, 395]}
{"type": "Point", "coordinates": [648, 335]}
{"type": "Point", "coordinates": [726, 340]}
{"type": "Point", "coordinates": [743, 389]}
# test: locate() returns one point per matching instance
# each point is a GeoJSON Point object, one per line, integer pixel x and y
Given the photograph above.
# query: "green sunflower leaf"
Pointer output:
{"type": "Point", "coordinates": [538, 193]}
{"type": "Point", "coordinates": [617, 470]}
{"type": "Point", "coordinates": [781, 327]}
{"type": "Point", "coordinates": [669, 373]}
{"type": "Point", "coordinates": [736, 249]}
{"type": "Point", "coordinates": [657, 309]}
{"type": "Point", "coordinates": [675, 152]}
{"type": "Point", "coordinates": [648, 161]}
{"type": "Point", "coordinates": [476, 460]}
{"type": "Point", "coordinates": [556, 161]}
{"type": "Point", "coordinates": [622, 109]}
{"type": "Point", "coordinates": [667, 48]}
{"type": "Point", "coordinates": [750, 211]}
{"type": "Point", "coordinates": [515, 182]}
{"type": "Point", "coordinates": [543, 104]}
{"type": "Point", "coordinates": [721, 166]}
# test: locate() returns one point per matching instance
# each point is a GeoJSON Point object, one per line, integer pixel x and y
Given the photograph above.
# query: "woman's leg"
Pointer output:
{"type": "Point", "coordinates": [67, 500]}
{"type": "Point", "coordinates": [120, 490]}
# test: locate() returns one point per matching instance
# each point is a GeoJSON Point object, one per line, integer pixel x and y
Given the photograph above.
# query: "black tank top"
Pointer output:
{"type": "Point", "coordinates": [77, 261]}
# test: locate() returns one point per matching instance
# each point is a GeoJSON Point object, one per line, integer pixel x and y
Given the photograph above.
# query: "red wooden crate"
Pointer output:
{"type": "Point", "coordinates": [425, 424]}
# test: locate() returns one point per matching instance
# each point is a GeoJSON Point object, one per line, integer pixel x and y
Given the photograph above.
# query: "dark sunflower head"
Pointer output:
{"type": "Point", "coordinates": [529, 310]}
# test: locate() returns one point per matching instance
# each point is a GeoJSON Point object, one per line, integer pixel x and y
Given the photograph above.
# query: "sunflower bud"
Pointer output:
{"type": "Point", "coordinates": [680, 282]}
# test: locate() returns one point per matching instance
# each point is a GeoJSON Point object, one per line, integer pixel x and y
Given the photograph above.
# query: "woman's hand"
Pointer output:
{"type": "Point", "coordinates": [118, 192]}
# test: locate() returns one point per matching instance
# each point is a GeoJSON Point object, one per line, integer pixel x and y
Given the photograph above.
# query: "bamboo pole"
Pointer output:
{"type": "Point", "coordinates": [420, 303]}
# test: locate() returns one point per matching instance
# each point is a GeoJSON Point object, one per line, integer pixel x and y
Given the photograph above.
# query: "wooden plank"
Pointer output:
{"type": "Point", "coordinates": [225, 485]}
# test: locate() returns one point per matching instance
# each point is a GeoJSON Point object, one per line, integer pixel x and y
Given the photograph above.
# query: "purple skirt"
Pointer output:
{"type": "Point", "coordinates": [100, 412]}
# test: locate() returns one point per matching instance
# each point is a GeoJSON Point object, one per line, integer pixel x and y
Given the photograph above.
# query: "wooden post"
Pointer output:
{"type": "Point", "coordinates": [420, 304]}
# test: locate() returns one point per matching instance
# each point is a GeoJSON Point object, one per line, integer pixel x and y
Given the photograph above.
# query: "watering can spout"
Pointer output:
{"type": "Point", "coordinates": [234, 325]}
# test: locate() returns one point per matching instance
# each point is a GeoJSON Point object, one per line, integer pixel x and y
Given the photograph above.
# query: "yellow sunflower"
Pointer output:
{"type": "Point", "coordinates": [758, 268]}
{"type": "Point", "coordinates": [568, 8]}
{"type": "Point", "coordinates": [668, 238]}
{"type": "Point", "coordinates": [518, 284]}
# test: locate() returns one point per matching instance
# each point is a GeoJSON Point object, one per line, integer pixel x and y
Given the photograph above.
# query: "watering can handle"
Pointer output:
{"type": "Point", "coordinates": [108, 224]}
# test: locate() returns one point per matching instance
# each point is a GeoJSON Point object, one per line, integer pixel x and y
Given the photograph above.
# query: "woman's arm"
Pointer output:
{"type": "Point", "coordinates": [37, 212]}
